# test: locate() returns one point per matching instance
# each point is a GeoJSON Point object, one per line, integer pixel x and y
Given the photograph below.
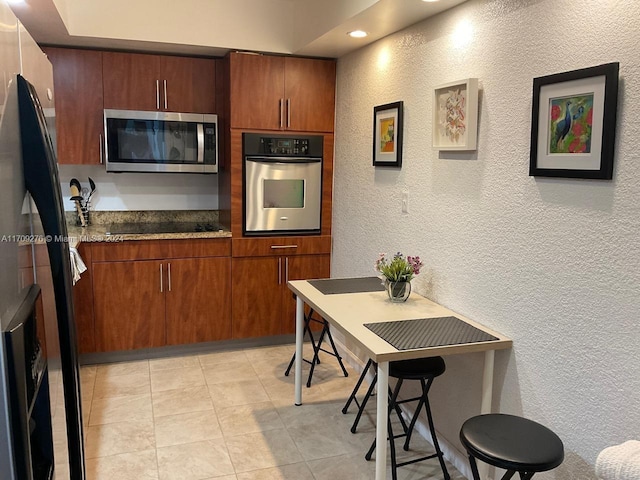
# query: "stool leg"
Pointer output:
{"type": "Point", "coordinates": [306, 330]}
{"type": "Point", "coordinates": [333, 347]}
{"type": "Point", "coordinates": [364, 403]}
{"type": "Point", "coordinates": [432, 429]}
{"type": "Point", "coordinates": [416, 414]}
{"type": "Point", "coordinates": [474, 468]}
{"type": "Point", "coordinates": [352, 397]}
{"type": "Point", "coordinates": [392, 401]}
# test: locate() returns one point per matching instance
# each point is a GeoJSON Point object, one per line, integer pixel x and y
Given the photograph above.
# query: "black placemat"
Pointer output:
{"type": "Point", "coordinates": [330, 286]}
{"type": "Point", "coordinates": [428, 332]}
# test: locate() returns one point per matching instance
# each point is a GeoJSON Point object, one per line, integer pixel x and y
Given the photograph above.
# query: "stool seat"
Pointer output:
{"type": "Point", "coordinates": [417, 368]}
{"type": "Point", "coordinates": [512, 443]}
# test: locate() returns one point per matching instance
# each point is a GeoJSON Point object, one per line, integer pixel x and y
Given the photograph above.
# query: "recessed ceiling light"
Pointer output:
{"type": "Point", "coordinates": [358, 34]}
{"type": "Point", "coordinates": [429, 1]}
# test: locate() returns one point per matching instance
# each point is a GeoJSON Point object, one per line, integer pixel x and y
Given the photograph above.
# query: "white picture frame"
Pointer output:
{"type": "Point", "coordinates": [455, 115]}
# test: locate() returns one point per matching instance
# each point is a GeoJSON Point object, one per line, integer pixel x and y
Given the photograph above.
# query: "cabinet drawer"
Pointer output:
{"type": "Point", "coordinates": [262, 247]}
{"type": "Point", "coordinates": [160, 249]}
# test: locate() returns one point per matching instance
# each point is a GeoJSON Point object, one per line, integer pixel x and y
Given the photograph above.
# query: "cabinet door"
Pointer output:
{"type": "Point", "coordinates": [129, 305]}
{"type": "Point", "coordinates": [257, 296]}
{"type": "Point", "coordinates": [256, 91]}
{"type": "Point", "coordinates": [302, 267]}
{"type": "Point", "coordinates": [190, 84]}
{"type": "Point", "coordinates": [83, 304]}
{"type": "Point", "coordinates": [131, 81]}
{"type": "Point", "coordinates": [310, 92]}
{"type": "Point", "coordinates": [77, 79]}
{"type": "Point", "coordinates": [198, 300]}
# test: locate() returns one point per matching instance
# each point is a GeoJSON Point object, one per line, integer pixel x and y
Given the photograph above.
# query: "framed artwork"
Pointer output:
{"type": "Point", "coordinates": [387, 135]}
{"type": "Point", "coordinates": [455, 115]}
{"type": "Point", "coordinates": [573, 123]}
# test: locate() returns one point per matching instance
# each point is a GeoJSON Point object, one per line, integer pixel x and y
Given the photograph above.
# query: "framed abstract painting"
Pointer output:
{"type": "Point", "coordinates": [387, 135]}
{"type": "Point", "coordinates": [455, 115]}
{"type": "Point", "coordinates": [573, 123]}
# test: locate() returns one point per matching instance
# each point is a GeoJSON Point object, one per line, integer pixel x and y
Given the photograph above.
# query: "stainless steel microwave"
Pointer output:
{"type": "Point", "coordinates": [137, 141]}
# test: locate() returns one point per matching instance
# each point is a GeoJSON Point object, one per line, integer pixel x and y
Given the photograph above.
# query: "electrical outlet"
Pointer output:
{"type": "Point", "coordinates": [405, 202]}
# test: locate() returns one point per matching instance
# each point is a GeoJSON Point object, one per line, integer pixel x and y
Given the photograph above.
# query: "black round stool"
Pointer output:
{"type": "Point", "coordinates": [423, 370]}
{"type": "Point", "coordinates": [511, 443]}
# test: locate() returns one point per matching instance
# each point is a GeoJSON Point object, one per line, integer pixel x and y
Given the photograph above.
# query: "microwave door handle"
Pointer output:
{"type": "Point", "coordinates": [200, 134]}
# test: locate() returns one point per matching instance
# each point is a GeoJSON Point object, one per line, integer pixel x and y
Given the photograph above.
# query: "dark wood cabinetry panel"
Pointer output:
{"type": "Point", "coordinates": [83, 304]}
{"type": "Point", "coordinates": [129, 305]}
{"type": "Point", "coordinates": [190, 84]}
{"type": "Point", "coordinates": [257, 293]}
{"type": "Point", "coordinates": [310, 87]}
{"type": "Point", "coordinates": [282, 93]}
{"type": "Point", "coordinates": [256, 91]}
{"type": "Point", "coordinates": [137, 81]}
{"type": "Point", "coordinates": [131, 81]}
{"type": "Point", "coordinates": [77, 80]}
{"type": "Point", "coordinates": [198, 300]}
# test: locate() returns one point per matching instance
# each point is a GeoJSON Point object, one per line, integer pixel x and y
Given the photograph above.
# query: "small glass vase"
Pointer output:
{"type": "Point", "coordinates": [398, 292]}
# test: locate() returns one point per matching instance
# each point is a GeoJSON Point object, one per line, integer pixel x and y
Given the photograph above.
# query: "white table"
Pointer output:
{"type": "Point", "coordinates": [350, 311]}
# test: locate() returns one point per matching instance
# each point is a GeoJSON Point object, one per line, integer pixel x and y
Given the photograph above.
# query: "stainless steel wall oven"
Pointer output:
{"type": "Point", "coordinates": [282, 184]}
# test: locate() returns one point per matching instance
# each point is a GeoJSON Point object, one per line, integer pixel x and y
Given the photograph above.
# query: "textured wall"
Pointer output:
{"type": "Point", "coordinates": [552, 263]}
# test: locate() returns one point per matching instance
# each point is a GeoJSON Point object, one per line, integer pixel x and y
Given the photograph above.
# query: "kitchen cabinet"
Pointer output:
{"type": "Point", "coordinates": [165, 292]}
{"type": "Point", "coordinates": [282, 93]}
{"type": "Point", "coordinates": [77, 79]}
{"type": "Point", "coordinates": [129, 305]}
{"type": "Point", "coordinates": [263, 305]}
{"type": "Point", "coordinates": [83, 304]}
{"type": "Point", "coordinates": [136, 81]}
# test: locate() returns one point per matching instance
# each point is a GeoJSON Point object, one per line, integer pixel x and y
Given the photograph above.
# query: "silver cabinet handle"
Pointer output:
{"type": "Point", "coordinates": [275, 247]}
{"type": "Point", "coordinates": [280, 105]}
{"type": "Point", "coordinates": [101, 151]}
{"type": "Point", "coordinates": [161, 290]}
{"type": "Point", "coordinates": [286, 269]}
{"type": "Point", "coordinates": [279, 270]}
{"type": "Point", "coordinates": [166, 104]}
{"type": "Point", "coordinates": [288, 112]}
{"type": "Point", "coordinates": [169, 274]}
{"type": "Point", "coordinates": [157, 94]}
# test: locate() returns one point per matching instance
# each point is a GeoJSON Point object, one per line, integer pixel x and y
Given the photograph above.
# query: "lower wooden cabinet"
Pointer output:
{"type": "Point", "coordinates": [129, 305]}
{"type": "Point", "coordinates": [198, 300]}
{"type": "Point", "coordinates": [263, 305]}
{"type": "Point", "coordinates": [144, 294]}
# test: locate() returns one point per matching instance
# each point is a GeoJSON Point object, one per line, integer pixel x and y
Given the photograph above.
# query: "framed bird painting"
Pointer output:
{"type": "Point", "coordinates": [573, 123]}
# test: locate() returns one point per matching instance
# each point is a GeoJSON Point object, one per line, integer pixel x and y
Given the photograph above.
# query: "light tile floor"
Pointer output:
{"type": "Point", "coordinates": [229, 416]}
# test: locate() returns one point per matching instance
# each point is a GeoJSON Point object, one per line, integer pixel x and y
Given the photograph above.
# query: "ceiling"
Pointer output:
{"type": "Point", "coordinates": [316, 28]}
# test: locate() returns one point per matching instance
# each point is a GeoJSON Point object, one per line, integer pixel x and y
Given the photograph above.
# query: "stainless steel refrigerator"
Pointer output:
{"type": "Point", "coordinates": [40, 409]}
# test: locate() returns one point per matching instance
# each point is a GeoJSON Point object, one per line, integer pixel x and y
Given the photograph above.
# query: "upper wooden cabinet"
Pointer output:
{"type": "Point", "coordinates": [77, 79]}
{"type": "Point", "coordinates": [282, 93]}
{"type": "Point", "coordinates": [136, 81]}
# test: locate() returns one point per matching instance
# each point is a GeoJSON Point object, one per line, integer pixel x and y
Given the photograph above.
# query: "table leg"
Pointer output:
{"type": "Point", "coordinates": [487, 395]}
{"type": "Point", "coordinates": [382, 417]}
{"type": "Point", "coordinates": [299, 340]}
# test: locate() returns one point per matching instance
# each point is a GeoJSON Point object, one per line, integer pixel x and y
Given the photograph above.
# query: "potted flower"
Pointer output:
{"type": "Point", "coordinates": [398, 273]}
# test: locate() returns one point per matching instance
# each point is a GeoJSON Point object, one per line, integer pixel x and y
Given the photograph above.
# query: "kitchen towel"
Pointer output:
{"type": "Point", "coordinates": [619, 462]}
{"type": "Point", "coordinates": [77, 265]}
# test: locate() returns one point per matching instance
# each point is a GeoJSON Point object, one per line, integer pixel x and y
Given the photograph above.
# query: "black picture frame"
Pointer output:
{"type": "Point", "coordinates": [573, 123]}
{"type": "Point", "coordinates": [387, 135]}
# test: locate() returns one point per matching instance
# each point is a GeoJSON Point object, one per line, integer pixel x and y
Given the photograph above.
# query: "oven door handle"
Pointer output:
{"type": "Point", "coordinates": [283, 159]}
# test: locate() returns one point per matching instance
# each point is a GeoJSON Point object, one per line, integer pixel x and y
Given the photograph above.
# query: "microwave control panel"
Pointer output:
{"type": "Point", "coordinates": [209, 143]}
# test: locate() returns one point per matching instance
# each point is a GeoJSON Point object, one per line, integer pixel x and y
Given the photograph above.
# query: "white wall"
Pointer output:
{"type": "Point", "coordinates": [552, 263]}
{"type": "Point", "coordinates": [142, 191]}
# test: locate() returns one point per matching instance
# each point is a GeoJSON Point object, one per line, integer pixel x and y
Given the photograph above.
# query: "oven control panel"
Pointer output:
{"type": "Point", "coordinates": [285, 146]}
